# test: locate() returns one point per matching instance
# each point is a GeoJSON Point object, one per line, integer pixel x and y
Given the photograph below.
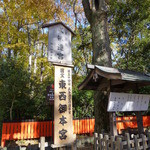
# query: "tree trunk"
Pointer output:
{"type": "Point", "coordinates": [30, 52]}
{"type": "Point", "coordinates": [37, 48]}
{"type": "Point", "coordinates": [102, 57]}
{"type": "Point", "coordinates": [100, 40]}
{"type": "Point", "coordinates": [8, 32]}
{"type": "Point", "coordinates": [97, 17]}
{"type": "Point", "coordinates": [100, 110]}
{"type": "Point", "coordinates": [42, 65]}
{"type": "Point", "coordinates": [11, 108]}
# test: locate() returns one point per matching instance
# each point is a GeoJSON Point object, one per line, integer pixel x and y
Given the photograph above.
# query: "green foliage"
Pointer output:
{"type": "Point", "coordinates": [21, 95]}
{"type": "Point", "coordinates": [130, 34]}
{"type": "Point", "coordinates": [23, 83]}
{"type": "Point", "coordinates": [82, 50]}
{"type": "Point", "coordinates": [20, 25]}
{"type": "Point", "coordinates": [14, 85]}
{"type": "Point", "coordinates": [83, 102]}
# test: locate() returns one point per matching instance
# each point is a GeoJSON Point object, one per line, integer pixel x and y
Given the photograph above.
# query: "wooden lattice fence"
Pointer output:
{"type": "Point", "coordinates": [106, 142]}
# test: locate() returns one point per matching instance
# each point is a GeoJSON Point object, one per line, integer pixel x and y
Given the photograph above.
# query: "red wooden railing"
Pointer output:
{"type": "Point", "coordinates": [83, 126]}
{"type": "Point", "coordinates": [130, 122]}
{"type": "Point", "coordinates": [31, 130]}
{"type": "Point", "coordinates": [25, 130]}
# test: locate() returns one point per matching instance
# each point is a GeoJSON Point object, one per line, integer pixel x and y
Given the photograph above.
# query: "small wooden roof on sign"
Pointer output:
{"type": "Point", "coordinates": [120, 80]}
{"type": "Point", "coordinates": [47, 25]}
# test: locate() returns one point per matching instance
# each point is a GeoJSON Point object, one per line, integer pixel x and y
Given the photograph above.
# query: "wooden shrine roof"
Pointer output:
{"type": "Point", "coordinates": [101, 77]}
{"type": "Point", "coordinates": [47, 25]}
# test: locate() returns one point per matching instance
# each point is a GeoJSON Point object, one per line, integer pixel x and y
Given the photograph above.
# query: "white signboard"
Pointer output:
{"type": "Point", "coordinates": [59, 45]}
{"type": "Point", "coordinates": [128, 102]}
{"type": "Point", "coordinates": [63, 127]}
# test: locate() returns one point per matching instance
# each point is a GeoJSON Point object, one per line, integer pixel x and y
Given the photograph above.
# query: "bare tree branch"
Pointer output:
{"type": "Point", "coordinates": [93, 5]}
{"type": "Point", "coordinates": [75, 14]}
{"type": "Point", "coordinates": [107, 1]}
{"type": "Point", "coordinates": [8, 31]}
{"type": "Point", "coordinates": [102, 5]}
{"type": "Point", "coordinates": [87, 10]}
{"type": "Point", "coordinates": [99, 5]}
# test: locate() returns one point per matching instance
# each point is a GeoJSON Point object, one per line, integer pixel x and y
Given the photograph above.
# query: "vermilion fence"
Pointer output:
{"type": "Point", "coordinates": [32, 130]}
{"type": "Point", "coordinates": [130, 122]}
{"type": "Point", "coordinates": [83, 126]}
{"type": "Point", "coordinates": [25, 130]}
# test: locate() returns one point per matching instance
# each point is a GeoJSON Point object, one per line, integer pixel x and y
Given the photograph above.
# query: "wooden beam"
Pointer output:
{"type": "Point", "coordinates": [117, 82]}
{"type": "Point", "coordinates": [63, 65]}
{"type": "Point", "coordinates": [85, 82]}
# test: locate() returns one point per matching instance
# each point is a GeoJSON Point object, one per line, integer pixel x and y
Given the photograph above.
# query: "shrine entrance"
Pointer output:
{"type": "Point", "coordinates": [121, 85]}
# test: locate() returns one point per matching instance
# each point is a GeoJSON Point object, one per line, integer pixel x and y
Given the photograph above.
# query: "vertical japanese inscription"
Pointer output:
{"type": "Point", "coordinates": [69, 91]}
{"type": "Point", "coordinates": [63, 105]}
{"type": "Point", "coordinates": [62, 96]}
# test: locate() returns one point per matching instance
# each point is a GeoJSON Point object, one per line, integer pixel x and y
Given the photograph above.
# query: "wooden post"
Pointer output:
{"type": "Point", "coordinates": [128, 141]}
{"type": "Point", "coordinates": [96, 141]}
{"type": "Point", "coordinates": [42, 143]}
{"type": "Point", "coordinates": [60, 55]}
{"type": "Point", "coordinates": [139, 122]}
{"type": "Point", "coordinates": [112, 143]}
{"type": "Point", "coordinates": [144, 141]}
{"type": "Point", "coordinates": [113, 128]}
{"type": "Point", "coordinates": [106, 137]}
{"type": "Point", "coordinates": [101, 141]}
{"type": "Point", "coordinates": [136, 143]}
{"type": "Point", "coordinates": [112, 117]}
{"type": "Point", "coordinates": [148, 138]}
{"type": "Point", "coordinates": [139, 117]}
{"type": "Point", "coordinates": [119, 143]}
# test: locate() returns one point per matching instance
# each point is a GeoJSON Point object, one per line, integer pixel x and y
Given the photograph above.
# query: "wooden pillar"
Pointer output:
{"type": "Point", "coordinates": [139, 122]}
{"type": "Point", "coordinates": [112, 116]}
{"type": "Point", "coordinates": [139, 116]}
{"type": "Point", "coordinates": [113, 128]}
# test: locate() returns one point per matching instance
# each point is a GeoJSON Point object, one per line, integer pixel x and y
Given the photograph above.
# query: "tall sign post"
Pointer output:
{"type": "Point", "coordinates": [60, 54]}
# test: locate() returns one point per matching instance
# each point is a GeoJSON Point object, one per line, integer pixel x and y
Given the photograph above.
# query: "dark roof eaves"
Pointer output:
{"type": "Point", "coordinates": [118, 74]}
